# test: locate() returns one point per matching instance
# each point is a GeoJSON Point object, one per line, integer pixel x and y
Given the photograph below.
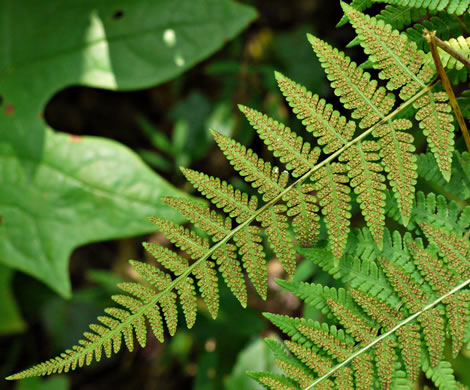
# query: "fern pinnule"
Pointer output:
{"type": "Point", "coordinates": [298, 156]}
{"type": "Point", "coordinates": [330, 128]}
{"type": "Point", "coordinates": [250, 247]}
{"type": "Point", "coordinates": [289, 364]}
{"type": "Point", "coordinates": [333, 195]}
{"type": "Point", "coordinates": [267, 179]}
{"type": "Point", "coordinates": [396, 150]}
{"type": "Point", "coordinates": [237, 204]}
{"type": "Point", "coordinates": [368, 102]}
{"type": "Point", "coordinates": [451, 248]}
{"type": "Point", "coordinates": [302, 207]}
{"type": "Point", "coordinates": [399, 16]}
{"type": "Point", "coordinates": [365, 172]}
{"type": "Point", "coordinates": [441, 281]}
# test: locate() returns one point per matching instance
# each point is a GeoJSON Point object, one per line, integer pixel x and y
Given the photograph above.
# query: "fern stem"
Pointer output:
{"type": "Point", "coordinates": [129, 320]}
{"type": "Point", "coordinates": [391, 331]}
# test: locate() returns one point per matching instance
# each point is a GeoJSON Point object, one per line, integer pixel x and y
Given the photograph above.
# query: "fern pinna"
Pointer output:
{"type": "Point", "coordinates": [383, 287]}
{"type": "Point", "coordinates": [374, 145]}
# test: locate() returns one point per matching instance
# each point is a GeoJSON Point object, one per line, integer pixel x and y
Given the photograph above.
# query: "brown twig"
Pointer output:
{"type": "Point", "coordinates": [432, 40]}
{"type": "Point", "coordinates": [454, 53]}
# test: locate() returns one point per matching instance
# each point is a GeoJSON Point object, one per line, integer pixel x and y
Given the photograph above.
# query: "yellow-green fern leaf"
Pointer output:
{"type": "Point", "coordinates": [404, 66]}
{"type": "Point", "coordinates": [237, 204]}
{"type": "Point", "coordinates": [274, 221]}
{"type": "Point", "coordinates": [357, 91]}
{"type": "Point", "coordinates": [231, 271]}
{"type": "Point", "coordinates": [312, 360]}
{"type": "Point", "coordinates": [297, 155]}
{"type": "Point", "coordinates": [452, 249]}
{"type": "Point", "coordinates": [289, 364]}
{"type": "Point", "coordinates": [364, 371]}
{"type": "Point", "coordinates": [208, 220]}
{"type": "Point", "coordinates": [303, 208]}
{"type": "Point", "coordinates": [409, 340]}
{"type": "Point", "coordinates": [169, 259]}
{"type": "Point", "coordinates": [323, 338]}
{"type": "Point", "coordinates": [184, 239]}
{"type": "Point", "coordinates": [415, 299]}
{"type": "Point", "coordinates": [267, 179]}
{"type": "Point", "coordinates": [385, 357]}
{"type": "Point", "coordinates": [461, 45]}
{"type": "Point", "coordinates": [352, 322]}
{"type": "Point", "coordinates": [331, 128]}
{"type": "Point", "coordinates": [334, 198]}
{"type": "Point", "coordinates": [396, 150]}
{"type": "Point", "coordinates": [249, 242]}
{"type": "Point", "coordinates": [368, 183]}
{"type": "Point", "coordinates": [208, 285]}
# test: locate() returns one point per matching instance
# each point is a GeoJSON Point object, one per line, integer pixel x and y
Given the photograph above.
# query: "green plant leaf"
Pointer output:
{"type": "Point", "coordinates": [84, 190]}
{"type": "Point", "coordinates": [117, 45]}
{"type": "Point", "coordinates": [256, 356]}
{"type": "Point", "coordinates": [10, 317]}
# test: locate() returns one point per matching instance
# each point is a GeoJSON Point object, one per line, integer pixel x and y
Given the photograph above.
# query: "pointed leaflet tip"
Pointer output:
{"type": "Point", "coordinates": [405, 220]}
{"type": "Point", "coordinates": [279, 76]}
{"type": "Point", "coordinates": [311, 38]}
{"type": "Point", "coordinates": [447, 175]}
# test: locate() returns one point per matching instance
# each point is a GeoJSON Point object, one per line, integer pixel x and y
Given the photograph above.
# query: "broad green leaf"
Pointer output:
{"type": "Point", "coordinates": [59, 192]}
{"type": "Point", "coordinates": [84, 189]}
{"type": "Point", "coordinates": [10, 317]}
{"type": "Point", "coordinates": [120, 45]}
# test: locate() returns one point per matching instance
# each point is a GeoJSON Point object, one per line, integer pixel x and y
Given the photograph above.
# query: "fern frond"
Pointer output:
{"type": "Point", "coordinates": [400, 62]}
{"type": "Point", "coordinates": [457, 7]}
{"type": "Point", "coordinates": [416, 276]}
{"type": "Point", "coordinates": [250, 248]}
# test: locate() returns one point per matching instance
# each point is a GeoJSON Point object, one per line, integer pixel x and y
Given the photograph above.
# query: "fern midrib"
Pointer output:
{"type": "Point", "coordinates": [398, 61]}
{"type": "Point", "coordinates": [232, 233]}
{"type": "Point", "coordinates": [352, 84]}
